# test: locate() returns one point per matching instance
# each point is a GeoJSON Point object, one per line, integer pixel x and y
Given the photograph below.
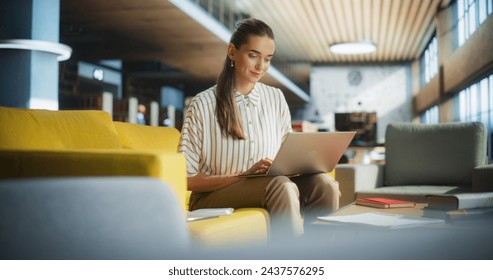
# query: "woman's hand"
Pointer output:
{"type": "Point", "coordinates": [261, 167]}
{"type": "Point", "coordinates": [209, 183]}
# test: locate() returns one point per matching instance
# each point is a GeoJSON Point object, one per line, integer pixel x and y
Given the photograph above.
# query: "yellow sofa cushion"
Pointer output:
{"type": "Point", "coordinates": [245, 227]}
{"type": "Point", "coordinates": [169, 167]}
{"type": "Point", "coordinates": [136, 136]}
{"type": "Point", "coordinates": [56, 130]}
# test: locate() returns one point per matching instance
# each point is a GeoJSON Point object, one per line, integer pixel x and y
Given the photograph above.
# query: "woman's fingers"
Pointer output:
{"type": "Point", "coordinates": [263, 165]}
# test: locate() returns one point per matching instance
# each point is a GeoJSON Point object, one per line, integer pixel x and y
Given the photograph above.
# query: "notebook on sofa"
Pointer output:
{"type": "Point", "coordinates": [308, 153]}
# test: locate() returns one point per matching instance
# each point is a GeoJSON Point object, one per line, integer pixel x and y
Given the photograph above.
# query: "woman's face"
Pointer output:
{"type": "Point", "coordinates": [251, 61]}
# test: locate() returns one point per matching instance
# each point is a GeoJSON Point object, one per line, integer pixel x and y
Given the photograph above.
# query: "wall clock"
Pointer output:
{"type": "Point", "coordinates": [354, 77]}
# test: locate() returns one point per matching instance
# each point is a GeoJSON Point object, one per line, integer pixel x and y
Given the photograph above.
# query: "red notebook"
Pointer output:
{"type": "Point", "coordinates": [384, 202]}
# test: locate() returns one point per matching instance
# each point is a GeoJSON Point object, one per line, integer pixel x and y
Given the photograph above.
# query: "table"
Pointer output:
{"type": "Point", "coordinates": [468, 240]}
{"type": "Point", "coordinates": [352, 209]}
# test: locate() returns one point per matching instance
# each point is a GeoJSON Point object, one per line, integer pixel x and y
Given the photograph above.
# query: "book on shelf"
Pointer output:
{"type": "Point", "coordinates": [460, 201]}
{"type": "Point", "coordinates": [208, 213]}
{"type": "Point", "coordinates": [380, 202]}
{"type": "Point", "coordinates": [459, 215]}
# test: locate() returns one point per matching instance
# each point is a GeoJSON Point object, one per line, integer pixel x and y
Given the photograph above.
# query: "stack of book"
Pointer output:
{"type": "Point", "coordinates": [384, 202]}
{"type": "Point", "coordinates": [460, 207]}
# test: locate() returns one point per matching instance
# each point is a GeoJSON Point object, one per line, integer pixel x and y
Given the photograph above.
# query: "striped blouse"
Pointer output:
{"type": "Point", "coordinates": [266, 121]}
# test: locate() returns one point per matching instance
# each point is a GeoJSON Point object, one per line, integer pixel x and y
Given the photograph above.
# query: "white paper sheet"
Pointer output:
{"type": "Point", "coordinates": [383, 220]}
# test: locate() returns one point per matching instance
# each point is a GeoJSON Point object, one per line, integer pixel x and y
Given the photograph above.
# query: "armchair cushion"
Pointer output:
{"type": "Point", "coordinates": [145, 137]}
{"type": "Point", "coordinates": [246, 226]}
{"type": "Point", "coordinates": [443, 154]}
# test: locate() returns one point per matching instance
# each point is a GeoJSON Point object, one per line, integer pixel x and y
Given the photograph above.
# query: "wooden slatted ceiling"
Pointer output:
{"type": "Point", "coordinates": [305, 28]}
{"type": "Point", "coordinates": [157, 30]}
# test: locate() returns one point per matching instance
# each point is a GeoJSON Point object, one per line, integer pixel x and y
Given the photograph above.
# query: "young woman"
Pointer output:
{"type": "Point", "coordinates": [236, 127]}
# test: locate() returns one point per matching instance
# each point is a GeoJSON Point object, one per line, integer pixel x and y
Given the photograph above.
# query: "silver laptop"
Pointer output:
{"type": "Point", "coordinates": [308, 153]}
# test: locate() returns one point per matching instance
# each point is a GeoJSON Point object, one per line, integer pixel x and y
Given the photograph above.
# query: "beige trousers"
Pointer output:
{"type": "Point", "coordinates": [289, 201]}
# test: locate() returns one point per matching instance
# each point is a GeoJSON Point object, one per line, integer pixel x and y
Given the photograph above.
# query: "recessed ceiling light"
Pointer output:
{"type": "Point", "coordinates": [361, 47]}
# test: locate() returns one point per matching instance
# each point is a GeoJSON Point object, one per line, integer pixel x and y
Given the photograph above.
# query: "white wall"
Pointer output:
{"type": "Point", "coordinates": [385, 90]}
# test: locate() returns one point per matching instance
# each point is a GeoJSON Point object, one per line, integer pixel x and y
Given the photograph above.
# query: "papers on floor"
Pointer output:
{"type": "Point", "coordinates": [382, 220]}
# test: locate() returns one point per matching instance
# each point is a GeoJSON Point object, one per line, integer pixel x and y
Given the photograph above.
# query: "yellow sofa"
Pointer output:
{"type": "Point", "coordinates": [43, 143]}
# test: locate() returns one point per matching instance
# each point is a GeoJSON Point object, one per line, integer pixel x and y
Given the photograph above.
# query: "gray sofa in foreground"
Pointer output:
{"type": "Point", "coordinates": [421, 160]}
{"type": "Point", "coordinates": [88, 218]}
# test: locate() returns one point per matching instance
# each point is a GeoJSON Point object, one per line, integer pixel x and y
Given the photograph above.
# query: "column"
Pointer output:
{"type": "Point", "coordinates": [30, 53]}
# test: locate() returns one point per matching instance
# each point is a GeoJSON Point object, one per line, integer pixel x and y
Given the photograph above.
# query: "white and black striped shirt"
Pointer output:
{"type": "Point", "coordinates": [266, 122]}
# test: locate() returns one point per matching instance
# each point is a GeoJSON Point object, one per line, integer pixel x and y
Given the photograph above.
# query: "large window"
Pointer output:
{"type": "Point", "coordinates": [470, 14]}
{"type": "Point", "coordinates": [429, 61]}
{"type": "Point", "coordinates": [431, 116]}
{"type": "Point", "coordinates": [428, 69]}
{"type": "Point", "coordinates": [475, 103]}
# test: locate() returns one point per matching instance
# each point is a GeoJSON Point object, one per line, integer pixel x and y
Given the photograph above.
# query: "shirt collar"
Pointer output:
{"type": "Point", "coordinates": [253, 97]}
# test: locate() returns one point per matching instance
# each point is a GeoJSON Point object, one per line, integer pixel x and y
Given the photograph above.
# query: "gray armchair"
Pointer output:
{"type": "Point", "coordinates": [422, 160]}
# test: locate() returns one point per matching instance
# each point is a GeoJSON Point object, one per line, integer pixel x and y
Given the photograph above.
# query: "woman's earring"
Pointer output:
{"type": "Point", "coordinates": [232, 64]}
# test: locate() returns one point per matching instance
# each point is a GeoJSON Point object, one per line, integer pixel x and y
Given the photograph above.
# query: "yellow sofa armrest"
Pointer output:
{"type": "Point", "coordinates": [167, 166]}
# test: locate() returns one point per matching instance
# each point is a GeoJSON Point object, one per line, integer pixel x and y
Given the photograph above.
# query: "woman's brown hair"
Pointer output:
{"type": "Point", "coordinates": [227, 113]}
